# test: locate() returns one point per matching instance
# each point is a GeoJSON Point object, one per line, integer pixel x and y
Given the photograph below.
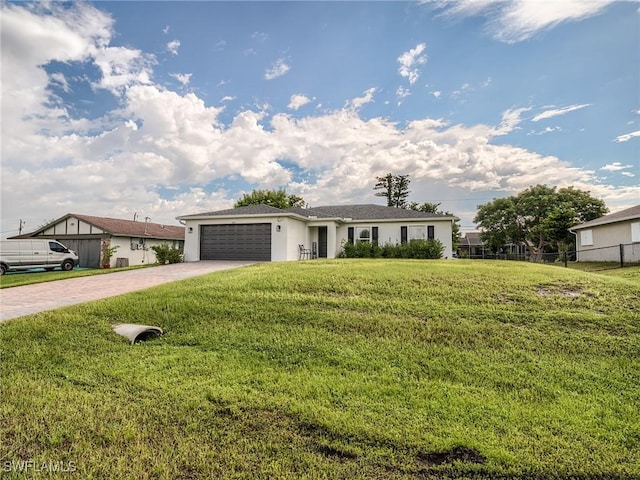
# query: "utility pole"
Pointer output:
{"type": "Point", "coordinates": [22, 223]}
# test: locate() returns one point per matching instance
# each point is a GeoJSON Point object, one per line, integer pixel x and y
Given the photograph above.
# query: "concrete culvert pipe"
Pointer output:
{"type": "Point", "coordinates": [135, 332]}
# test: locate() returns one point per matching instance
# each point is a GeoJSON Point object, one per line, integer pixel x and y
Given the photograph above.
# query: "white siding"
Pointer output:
{"type": "Point", "coordinates": [293, 232]}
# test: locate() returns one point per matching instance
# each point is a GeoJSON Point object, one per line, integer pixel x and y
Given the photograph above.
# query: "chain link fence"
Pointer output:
{"type": "Point", "coordinates": [625, 254]}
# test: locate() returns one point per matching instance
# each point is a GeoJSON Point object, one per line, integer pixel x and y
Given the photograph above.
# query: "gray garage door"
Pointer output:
{"type": "Point", "coordinates": [250, 241]}
{"type": "Point", "coordinates": [88, 250]}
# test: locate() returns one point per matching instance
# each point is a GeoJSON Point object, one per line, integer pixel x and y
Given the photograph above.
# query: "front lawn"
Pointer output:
{"type": "Point", "coordinates": [335, 369]}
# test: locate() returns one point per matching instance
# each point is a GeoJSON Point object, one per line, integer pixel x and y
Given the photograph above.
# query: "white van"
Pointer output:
{"type": "Point", "coordinates": [26, 254]}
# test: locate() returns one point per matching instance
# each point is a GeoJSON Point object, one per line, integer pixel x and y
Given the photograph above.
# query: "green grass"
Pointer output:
{"type": "Point", "coordinates": [16, 279]}
{"type": "Point", "coordinates": [336, 369]}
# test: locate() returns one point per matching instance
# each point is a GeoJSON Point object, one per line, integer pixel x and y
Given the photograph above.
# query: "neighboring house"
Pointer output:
{"type": "Point", "coordinates": [88, 235]}
{"type": "Point", "coordinates": [603, 239]}
{"type": "Point", "coordinates": [265, 233]}
{"type": "Point", "coordinates": [472, 246]}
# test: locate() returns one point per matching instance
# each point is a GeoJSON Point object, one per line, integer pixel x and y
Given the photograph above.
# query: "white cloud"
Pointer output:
{"type": "Point", "coordinates": [518, 20]}
{"type": "Point", "coordinates": [401, 94]}
{"type": "Point", "coordinates": [165, 30]}
{"type": "Point", "coordinates": [183, 78]}
{"type": "Point", "coordinates": [278, 69]}
{"type": "Point", "coordinates": [409, 62]}
{"type": "Point", "coordinates": [628, 174]}
{"type": "Point", "coordinates": [260, 36]}
{"type": "Point", "coordinates": [627, 136]}
{"type": "Point", "coordinates": [296, 101]}
{"type": "Point", "coordinates": [436, 94]}
{"type": "Point", "coordinates": [615, 166]}
{"type": "Point", "coordinates": [558, 111]}
{"type": "Point", "coordinates": [158, 140]}
{"type": "Point", "coordinates": [227, 98]}
{"type": "Point", "coordinates": [358, 102]}
{"type": "Point", "coordinates": [511, 118]}
{"type": "Point", "coordinates": [60, 80]}
{"type": "Point", "coordinates": [172, 47]}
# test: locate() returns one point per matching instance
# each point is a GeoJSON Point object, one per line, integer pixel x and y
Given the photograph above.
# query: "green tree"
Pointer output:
{"type": "Point", "coordinates": [395, 188]}
{"type": "Point", "coordinates": [426, 207]}
{"type": "Point", "coordinates": [539, 216]}
{"type": "Point", "coordinates": [273, 198]}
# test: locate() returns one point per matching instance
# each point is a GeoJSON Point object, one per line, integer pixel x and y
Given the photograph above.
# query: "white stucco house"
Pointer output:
{"type": "Point", "coordinates": [603, 239]}
{"type": "Point", "coordinates": [89, 235]}
{"type": "Point", "coordinates": [265, 233]}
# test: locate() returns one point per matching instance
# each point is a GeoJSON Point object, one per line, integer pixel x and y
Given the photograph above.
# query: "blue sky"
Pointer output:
{"type": "Point", "coordinates": [171, 108]}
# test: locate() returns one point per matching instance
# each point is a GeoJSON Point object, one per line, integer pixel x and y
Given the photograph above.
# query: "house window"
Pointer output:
{"type": "Point", "coordinates": [586, 237]}
{"type": "Point", "coordinates": [417, 232]}
{"type": "Point", "coordinates": [421, 232]}
{"type": "Point", "coordinates": [635, 232]}
{"type": "Point", "coordinates": [363, 234]}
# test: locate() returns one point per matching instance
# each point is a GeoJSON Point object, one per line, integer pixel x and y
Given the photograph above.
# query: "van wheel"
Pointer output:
{"type": "Point", "coordinates": [67, 265]}
{"type": "Point", "coordinates": [3, 269]}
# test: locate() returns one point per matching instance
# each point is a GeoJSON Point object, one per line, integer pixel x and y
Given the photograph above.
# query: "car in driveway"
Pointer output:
{"type": "Point", "coordinates": [25, 254]}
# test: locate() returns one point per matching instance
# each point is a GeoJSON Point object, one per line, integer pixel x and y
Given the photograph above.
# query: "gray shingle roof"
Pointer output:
{"type": "Point", "coordinates": [373, 212]}
{"type": "Point", "coordinates": [621, 216]}
{"type": "Point", "coordinates": [354, 212]}
{"type": "Point", "coordinates": [248, 210]}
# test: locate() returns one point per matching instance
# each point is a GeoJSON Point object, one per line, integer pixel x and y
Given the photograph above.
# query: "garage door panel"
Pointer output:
{"type": "Point", "coordinates": [250, 241]}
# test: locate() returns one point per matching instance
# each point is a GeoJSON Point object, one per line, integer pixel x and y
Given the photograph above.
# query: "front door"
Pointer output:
{"type": "Point", "coordinates": [322, 242]}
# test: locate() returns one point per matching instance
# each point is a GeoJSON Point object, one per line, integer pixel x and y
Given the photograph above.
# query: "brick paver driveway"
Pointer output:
{"type": "Point", "coordinates": [27, 299]}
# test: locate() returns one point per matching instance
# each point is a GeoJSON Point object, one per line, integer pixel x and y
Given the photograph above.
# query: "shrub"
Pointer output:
{"type": "Point", "coordinates": [424, 249]}
{"type": "Point", "coordinates": [166, 254]}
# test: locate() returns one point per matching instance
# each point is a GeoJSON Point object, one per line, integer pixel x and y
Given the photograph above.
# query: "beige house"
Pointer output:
{"type": "Point", "coordinates": [89, 236]}
{"type": "Point", "coordinates": [265, 233]}
{"type": "Point", "coordinates": [611, 238]}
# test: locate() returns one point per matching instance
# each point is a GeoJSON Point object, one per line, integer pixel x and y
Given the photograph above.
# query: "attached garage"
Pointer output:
{"type": "Point", "coordinates": [88, 250]}
{"type": "Point", "coordinates": [245, 241]}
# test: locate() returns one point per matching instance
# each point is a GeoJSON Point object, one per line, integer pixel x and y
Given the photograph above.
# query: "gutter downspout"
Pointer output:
{"type": "Point", "coordinates": [575, 235]}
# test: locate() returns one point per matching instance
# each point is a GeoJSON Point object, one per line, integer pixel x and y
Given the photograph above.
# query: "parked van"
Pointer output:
{"type": "Point", "coordinates": [26, 254]}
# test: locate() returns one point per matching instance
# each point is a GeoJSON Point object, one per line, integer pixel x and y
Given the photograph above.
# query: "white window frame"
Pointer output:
{"type": "Point", "coordinates": [416, 232]}
{"type": "Point", "coordinates": [357, 232]}
{"type": "Point", "coordinates": [635, 232]}
{"type": "Point", "coordinates": [586, 237]}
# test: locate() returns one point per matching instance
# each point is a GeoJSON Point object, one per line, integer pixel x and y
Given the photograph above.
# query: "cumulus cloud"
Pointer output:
{"type": "Point", "coordinates": [519, 20]}
{"type": "Point", "coordinates": [296, 101]}
{"type": "Point", "coordinates": [168, 153]}
{"type": "Point", "coordinates": [409, 62]}
{"type": "Point", "coordinates": [558, 111]}
{"type": "Point", "coordinates": [278, 69]}
{"type": "Point", "coordinates": [627, 136]}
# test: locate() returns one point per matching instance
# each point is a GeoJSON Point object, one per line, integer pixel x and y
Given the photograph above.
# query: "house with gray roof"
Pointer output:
{"type": "Point", "coordinates": [266, 233]}
{"type": "Point", "coordinates": [603, 239]}
{"type": "Point", "coordinates": [89, 236]}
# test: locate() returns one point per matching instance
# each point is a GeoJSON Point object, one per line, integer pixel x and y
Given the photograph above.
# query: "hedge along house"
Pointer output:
{"type": "Point", "coordinates": [265, 233]}
{"type": "Point", "coordinates": [89, 235]}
